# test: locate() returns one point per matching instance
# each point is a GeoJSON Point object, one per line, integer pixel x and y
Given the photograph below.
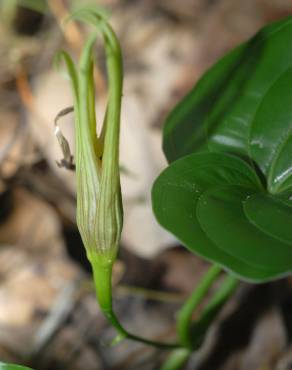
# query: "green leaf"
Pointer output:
{"type": "Point", "coordinates": [221, 216]}
{"type": "Point", "coordinates": [270, 215]}
{"type": "Point", "coordinates": [219, 112]}
{"type": "Point", "coordinates": [271, 134]}
{"type": "Point", "coordinates": [213, 202]}
{"type": "Point", "coordinates": [184, 130]}
{"type": "Point", "coordinates": [175, 197]}
{"type": "Point", "coordinates": [4, 366]}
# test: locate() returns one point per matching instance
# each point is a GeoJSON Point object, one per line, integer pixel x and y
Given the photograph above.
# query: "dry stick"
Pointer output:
{"type": "Point", "coordinates": [27, 99]}
{"type": "Point", "coordinates": [26, 95]}
{"type": "Point", "coordinates": [24, 91]}
{"type": "Point", "coordinates": [155, 295]}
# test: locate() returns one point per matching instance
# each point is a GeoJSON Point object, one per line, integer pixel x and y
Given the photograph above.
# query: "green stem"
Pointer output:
{"type": "Point", "coordinates": [103, 286]}
{"type": "Point", "coordinates": [102, 275]}
{"type": "Point", "coordinates": [177, 359]}
{"type": "Point", "coordinates": [186, 312]}
{"type": "Point", "coordinates": [198, 329]}
{"type": "Point", "coordinates": [223, 293]}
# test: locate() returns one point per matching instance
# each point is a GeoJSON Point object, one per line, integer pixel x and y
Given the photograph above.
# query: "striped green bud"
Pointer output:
{"type": "Point", "coordinates": [99, 205]}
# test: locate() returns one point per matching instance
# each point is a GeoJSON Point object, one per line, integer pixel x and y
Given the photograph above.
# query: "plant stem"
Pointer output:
{"type": "Point", "coordinates": [223, 293]}
{"type": "Point", "coordinates": [185, 313]}
{"type": "Point", "coordinates": [103, 287]}
{"type": "Point", "coordinates": [198, 329]}
{"type": "Point", "coordinates": [177, 359]}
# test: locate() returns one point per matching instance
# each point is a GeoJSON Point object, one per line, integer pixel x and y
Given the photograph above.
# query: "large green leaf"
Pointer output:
{"type": "Point", "coordinates": [4, 366]}
{"type": "Point", "coordinates": [177, 193]}
{"type": "Point", "coordinates": [218, 113]}
{"type": "Point", "coordinates": [213, 201]}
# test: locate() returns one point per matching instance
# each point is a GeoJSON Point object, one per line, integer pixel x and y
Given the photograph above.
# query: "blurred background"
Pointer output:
{"type": "Point", "coordinates": [49, 318]}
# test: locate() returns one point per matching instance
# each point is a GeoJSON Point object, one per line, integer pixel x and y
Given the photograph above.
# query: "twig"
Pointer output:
{"type": "Point", "coordinates": [150, 294]}
{"type": "Point", "coordinates": [59, 313]}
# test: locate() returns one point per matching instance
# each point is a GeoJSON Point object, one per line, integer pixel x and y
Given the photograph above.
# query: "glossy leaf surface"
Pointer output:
{"type": "Point", "coordinates": [208, 197]}
{"type": "Point", "coordinates": [271, 134]}
{"type": "Point", "coordinates": [219, 112]}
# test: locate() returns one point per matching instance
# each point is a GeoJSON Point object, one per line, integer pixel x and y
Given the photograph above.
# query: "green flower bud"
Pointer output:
{"type": "Point", "coordinates": [99, 205]}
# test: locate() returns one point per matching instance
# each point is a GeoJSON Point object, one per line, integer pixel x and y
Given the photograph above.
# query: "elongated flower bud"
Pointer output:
{"type": "Point", "coordinates": [99, 208]}
{"type": "Point", "coordinates": [99, 205]}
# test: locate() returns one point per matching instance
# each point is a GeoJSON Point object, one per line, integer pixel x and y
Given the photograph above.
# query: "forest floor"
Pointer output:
{"type": "Point", "coordinates": [49, 318]}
